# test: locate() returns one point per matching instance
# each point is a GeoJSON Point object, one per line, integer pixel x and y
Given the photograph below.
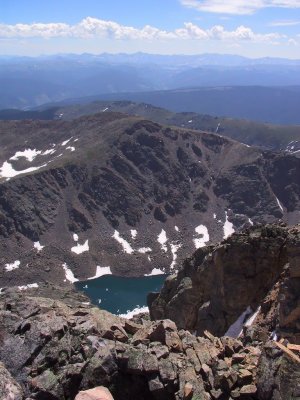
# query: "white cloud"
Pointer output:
{"type": "Point", "coordinates": [34, 30]}
{"type": "Point", "coordinates": [87, 28]}
{"type": "Point", "coordinates": [239, 7]}
{"type": "Point", "coordinates": [218, 32]}
{"type": "Point", "coordinates": [293, 42]}
{"type": "Point", "coordinates": [285, 23]}
{"type": "Point", "coordinates": [96, 28]}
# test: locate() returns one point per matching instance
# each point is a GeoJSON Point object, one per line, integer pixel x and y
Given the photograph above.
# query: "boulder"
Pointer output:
{"type": "Point", "coordinates": [97, 393]}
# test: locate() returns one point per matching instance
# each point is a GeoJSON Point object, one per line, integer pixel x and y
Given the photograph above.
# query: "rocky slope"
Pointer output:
{"type": "Point", "coordinates": [115, 191]}
{"type": "Point", "coordinates": [54, 344]}
{"type": "Point", "coordinates": [255, 273]}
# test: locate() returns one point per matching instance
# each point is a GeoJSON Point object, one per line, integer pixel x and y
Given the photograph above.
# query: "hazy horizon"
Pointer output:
{"type": "Point", "coordinates": [268, 28]}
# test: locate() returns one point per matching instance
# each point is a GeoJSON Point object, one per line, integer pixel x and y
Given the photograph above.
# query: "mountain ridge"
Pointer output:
{"type": "Point", "coordinates": [267, 136]}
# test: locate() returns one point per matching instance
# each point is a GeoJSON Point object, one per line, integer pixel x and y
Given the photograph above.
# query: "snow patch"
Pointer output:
{"type": "Point", "coordinates": [29, 286]}
{"type": "Point", "coordinates": [133, 233]}
{"type": "Point", "coordinates": [237, 327]}
{"type": "Point", "coordinates": [75, 237]}
{"type": "Point", "coordinates": [215, 216]}
{"type": "Point", "coordinates": [155, 271]}
{"type": "Point", "coordinates": [245, 319]}
{"type": "Point", "coordinates": [81, 248]}
{"type": "Point", "coordinates": [251, 319]}
{"type": "Point", "coordinates": [38, 246]}
{"type": "Point", "coordinates": [250, 221]}
{"type": "Point", "coordinates": [279, 204]}
{"type": "Point", "coordinates": [69, 274]}
{"type": "Point", "coordinates": [70, 148]}
{"type": "Point", "coordinates": [144, 250]}
{"type": "Point", "coordinates": [162, 239]}
{"type": "Point", "coordinates": [12, 266]}
{"type": "Point", "coordinates": [66, 141]}
{"type": "Point", "coordinates": [174, 249]}
{"type": "Point", "coordinates": [135, 311]}
{"type": "Point", "coordinates": [176, 228]}
{"type": "Point", "coordinates": [7, 170]}
{"type": "Point", "coordinates": [126, 246]}
{"type": "Point", "coordinates": [228, 227]}
{"type": "Point", "coordinates": [29, 154]}
{"type": "Point", "coordinates": [273, 335]}
{"type": "Point", "coordinates": [101, 271]}
{"type": "Point", "coordinates": [47, 152]}
{"type": "Point", "coordinates": [201, 242]}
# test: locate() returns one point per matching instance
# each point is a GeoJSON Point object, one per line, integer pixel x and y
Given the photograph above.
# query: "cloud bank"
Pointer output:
{"type": "Point", "coordinates": [96, 28]}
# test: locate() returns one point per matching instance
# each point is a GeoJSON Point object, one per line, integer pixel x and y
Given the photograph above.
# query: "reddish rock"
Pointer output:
{"type": "Point", "coordinates": [97, 393]}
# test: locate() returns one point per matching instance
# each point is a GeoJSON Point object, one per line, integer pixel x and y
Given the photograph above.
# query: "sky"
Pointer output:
{"type": "Point", "coordinates": [253, 28]}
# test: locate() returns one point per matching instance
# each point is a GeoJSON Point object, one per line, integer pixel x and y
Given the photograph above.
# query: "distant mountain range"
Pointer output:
{"type": "Point", "coordinates": [196, 60]}
{"type": "Point", "coordinates": [277, 105]}
{"type": "Point", "coordinates": [28, 82]}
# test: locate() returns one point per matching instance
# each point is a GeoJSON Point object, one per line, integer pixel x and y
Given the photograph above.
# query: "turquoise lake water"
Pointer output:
{"type": "Point", "coordinates": [120, 295]}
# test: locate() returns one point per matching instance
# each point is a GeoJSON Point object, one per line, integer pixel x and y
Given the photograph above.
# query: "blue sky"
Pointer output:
{"type": "Point", "coordinates": [263, 28]}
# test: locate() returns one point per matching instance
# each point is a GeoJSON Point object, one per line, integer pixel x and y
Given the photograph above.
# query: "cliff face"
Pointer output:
{"type": "Point", "coordinates": [220, 284]}
{"type": "Point", "coordinates": [53, 344]}
{"type": "Point", "coordinates": [134, 192]}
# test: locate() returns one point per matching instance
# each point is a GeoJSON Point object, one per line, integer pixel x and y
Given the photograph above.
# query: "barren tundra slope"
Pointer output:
{"type": "Point", "coordinates": [119, 191]}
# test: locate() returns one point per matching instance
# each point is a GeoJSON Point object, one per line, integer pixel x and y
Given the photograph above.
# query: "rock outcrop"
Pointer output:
{"type": "Point", "coordinates": [54, 348]}
{"type": "Point", "coordinates": [9, 388]}
{"type": "Point", "coordinates": [278, 375]}
{"type": "Point", "coordinates": [220, 284]}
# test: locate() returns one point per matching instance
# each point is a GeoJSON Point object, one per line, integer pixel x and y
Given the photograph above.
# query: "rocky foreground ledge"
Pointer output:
{"type": "Point", "coordinates": [53, 344]}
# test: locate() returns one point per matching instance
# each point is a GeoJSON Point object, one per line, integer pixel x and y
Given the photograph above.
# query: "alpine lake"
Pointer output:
{"type": "Point", "coordinates": [120, 295]}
